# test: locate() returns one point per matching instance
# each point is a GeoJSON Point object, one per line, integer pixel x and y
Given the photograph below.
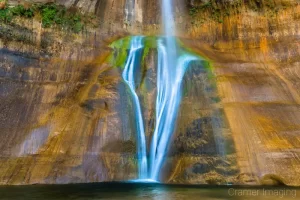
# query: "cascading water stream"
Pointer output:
{"type": "Point", "coordinates": [129, 11]}
{"type": "Point", "coordinates": [128, 75]}
{"type": "Point", "coordinates": [171, 69]}
{"type": "Point", "coordinates": [169, 81]}
{"type": "Point", "coordinates": [170, 72]}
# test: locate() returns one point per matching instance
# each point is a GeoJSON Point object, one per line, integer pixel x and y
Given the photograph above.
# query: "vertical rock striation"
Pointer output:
{"type": "Point", "coordinates": [65, 116]}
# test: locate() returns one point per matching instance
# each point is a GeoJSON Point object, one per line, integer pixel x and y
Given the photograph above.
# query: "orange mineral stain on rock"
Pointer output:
{"type": "Point", "coordinates": [61, 80]}
{"type": "Point", "coordinates": [257, 79]}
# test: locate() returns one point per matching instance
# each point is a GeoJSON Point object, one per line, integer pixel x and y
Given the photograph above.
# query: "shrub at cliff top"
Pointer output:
{"type": "Point", "coordinates": [51, 15]}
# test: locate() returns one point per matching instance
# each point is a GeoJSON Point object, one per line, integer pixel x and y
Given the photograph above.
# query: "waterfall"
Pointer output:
{"type": "Point", "coordinates": [169, 81]}
{"type": "Point", "coordinates": [171, 69]}
{"type": "Point", "coordinates": [170, 72]}
{"type": "Point", "coordinates": [129, 11]}
{"type": "Point", "coordinates": [128, 75]}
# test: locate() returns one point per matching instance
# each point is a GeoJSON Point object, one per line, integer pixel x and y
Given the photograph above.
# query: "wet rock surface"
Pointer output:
{"type": "Point", "coordinates": [66, 118]}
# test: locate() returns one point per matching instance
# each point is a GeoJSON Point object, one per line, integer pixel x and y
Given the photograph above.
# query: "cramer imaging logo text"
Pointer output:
{"type": "Point", "coordinates": [274, 192]}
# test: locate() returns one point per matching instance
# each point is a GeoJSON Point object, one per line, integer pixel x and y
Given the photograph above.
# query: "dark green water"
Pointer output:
{"type": "Point", "coordinates": [130, 191]}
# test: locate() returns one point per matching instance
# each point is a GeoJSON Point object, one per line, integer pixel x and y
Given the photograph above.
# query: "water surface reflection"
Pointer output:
{"type": "Point", "coordinates": [133, 191]}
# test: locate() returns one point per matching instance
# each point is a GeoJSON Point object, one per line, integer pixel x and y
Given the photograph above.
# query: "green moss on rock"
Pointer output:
{"type": "Point", "coordinates": [120, 47]}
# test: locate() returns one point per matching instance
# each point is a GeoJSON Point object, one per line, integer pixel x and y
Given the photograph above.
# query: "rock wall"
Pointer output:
{"type": "Point", "coordinates": [58, 112]}
{"type": "Point", "coordinates": [256, 61]}
{"type": "Point", "coordinates": [65, 117]}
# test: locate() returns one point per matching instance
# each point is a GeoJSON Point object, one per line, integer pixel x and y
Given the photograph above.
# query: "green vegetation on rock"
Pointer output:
{"type": "Point", "coordinates": [218, 10]}
{"type": "Point", "coordinates": [121, 47]}
{"type": "Point", "coordinates": [149, 43]}
{"type": "Point", "coordinates": [49, 14]}
{"type": "Point", "coordinates": [53, 14]}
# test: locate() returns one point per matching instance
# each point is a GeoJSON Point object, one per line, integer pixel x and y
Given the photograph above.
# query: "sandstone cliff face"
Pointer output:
{"type": "Point", "coordinates": [66, 116]}
{"type": "Point", "coordinates": [256, 60]}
